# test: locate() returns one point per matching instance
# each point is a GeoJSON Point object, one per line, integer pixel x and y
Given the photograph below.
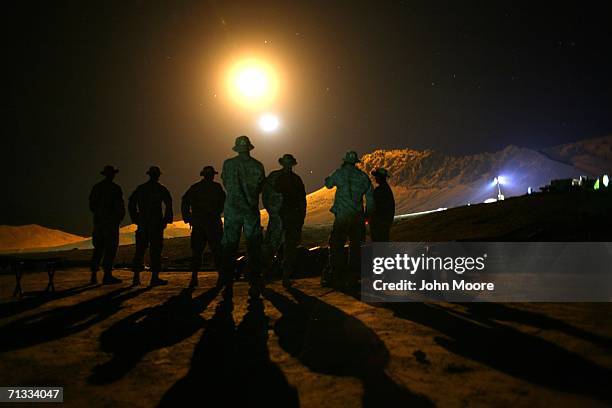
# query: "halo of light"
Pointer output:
{"type": "Point", "coordinates": [252, 83]}
{"type": "Point", "coordinates": [501, 180]}
{"type": "Point", "coordinates": [268, 122]}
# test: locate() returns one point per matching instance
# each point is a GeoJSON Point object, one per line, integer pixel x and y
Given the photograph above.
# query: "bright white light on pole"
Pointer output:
{"type": "Point", "coordinates": [606, 180]}
{"type": "Point", "coordinates": [500, 180]}
{"type": "Point", "coordinates": [269, 122]}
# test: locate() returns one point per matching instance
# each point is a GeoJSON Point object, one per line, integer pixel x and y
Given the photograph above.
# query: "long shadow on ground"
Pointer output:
{"type": "Point", "coordinates": [131, 338]}
{"type": "Point", "coordinates": [63, 321]}
{"type": "Point", "coordinates": [327, 340]}
{"type": "Point", "coordinates": [476, 336]}
{"type": "Point", "coordinates": [37, 299]}
{"type": "Point", "coordinates": [231, 365]}
{"type": "Point", "coordinates": [499, 311]}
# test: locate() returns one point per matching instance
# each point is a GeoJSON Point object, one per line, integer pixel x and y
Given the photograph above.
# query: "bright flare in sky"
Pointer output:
{"type": "Point", "coordinates": [269, 122]}
{"type": "Point", "coordinates": [252, 83]}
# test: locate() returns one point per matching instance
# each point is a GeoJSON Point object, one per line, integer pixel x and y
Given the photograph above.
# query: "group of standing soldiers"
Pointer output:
{"type": "Point", "coordinates": [284, 198]}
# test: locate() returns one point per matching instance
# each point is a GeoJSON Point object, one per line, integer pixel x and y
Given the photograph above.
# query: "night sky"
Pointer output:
{"type": "Point", "coordinates": [135, 83]}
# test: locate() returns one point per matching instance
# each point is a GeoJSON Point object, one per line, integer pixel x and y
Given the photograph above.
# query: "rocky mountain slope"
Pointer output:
{"type": "Point", "coordinates": [421, 181]}
{"type": "Point", "coordinates": [593, 156]}
{"type": "Point", "coordinates": [426, 180]}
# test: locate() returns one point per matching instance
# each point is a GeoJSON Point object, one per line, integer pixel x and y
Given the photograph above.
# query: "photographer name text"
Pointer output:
{"type": "Point", "coordinates": [423, 285]}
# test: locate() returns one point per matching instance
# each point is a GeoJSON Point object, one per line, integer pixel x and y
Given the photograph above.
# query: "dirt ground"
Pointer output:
{"type": "Point", "coordinates": [308, 346]}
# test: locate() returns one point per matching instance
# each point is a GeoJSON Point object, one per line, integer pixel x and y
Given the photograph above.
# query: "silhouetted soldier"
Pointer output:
{"type": "Point", "coordinates": [382, 219]}
{"type": "Point", "coordinates": [106, 203]}
{"type": "Point", "coordinates": [242, 177]}
{"type": "Point", "coordinates": [145, 206]}
{"type": "Point", "coordinates": [284, 197]}
{"type": "Point", "coordinates": [201, 207]}
{"type": "Point", "coordinates": [272, 202]}
{"type": "Point", "coordinates": [351, 185]}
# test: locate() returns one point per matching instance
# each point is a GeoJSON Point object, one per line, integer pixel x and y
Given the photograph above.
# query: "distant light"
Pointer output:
{"type": "Point", "coordinates": [500, 180]}
{"type": "Point", "coordinates": [490, 200]}
{"type": "Point", "coordinates": [596, 186]}
{"type": "Point", "coordinates": [606, 180]}
{"type": "Point", "coordinates": [404, 216]}
{"type": "Point", "coordinates": [269, 122]}
{"type": "Point", "coordinates": [529, 190]}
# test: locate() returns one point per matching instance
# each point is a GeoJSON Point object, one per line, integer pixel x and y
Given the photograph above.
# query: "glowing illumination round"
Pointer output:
{"type": "Point", "coordinates": [606, 180]}
{"type": "Point", "coordinates": [252, 83]}
{"type": "Point", "coordinates": [269, 122]}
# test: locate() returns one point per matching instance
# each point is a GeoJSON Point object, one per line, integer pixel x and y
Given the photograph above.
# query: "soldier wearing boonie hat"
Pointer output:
{"type": "Point", "coordinates": [106, 203]}
{"type": "Point", "coordinates": [242, 177]}
{"type": "Point", "coordinates": [284, 197]}
{"type": "Point", "coordinates": [145, 207]}
{"type": "Point", "coordinates": [201, 207]}
{"type": "Point", "coordinates": [352, 185]}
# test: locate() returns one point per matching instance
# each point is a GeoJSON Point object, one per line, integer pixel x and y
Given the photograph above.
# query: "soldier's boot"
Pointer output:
{"type": "Point", "coordinates": [136, 279]}
{"type": "Point", "coordinates": [326, 277]}
{"type": "Point", "coordinates": [339, 278]}
{"type": "Point", "coordinates": [255, 288]}
{"type": "Point", "coordinates": [267, 267]}
{"type": "Point", "coordinates": [193, 283]}
{"type": "Point", "coordinates": [94, 278]}
{"type": "Point", "coordinates": [109, 279]}
{"type": "Point", "coordinates": [220, 281]}
{"type": "Point", "coordinates": [228, 292]}
{"type": "Point", "coordinates": [156, 280]}
{"type": "Point", "coordinates": [287, 282]}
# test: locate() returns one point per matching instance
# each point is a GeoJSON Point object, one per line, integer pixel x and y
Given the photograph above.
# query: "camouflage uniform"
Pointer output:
{"type": "Point", "coordinates": [349, 223]}
{"type": "Point", "coordinates": [201, 207]}
{"type": "Point", "coordinates": [106, 203]}
{"type": "Point", "coordinates": [382, 219]}
{"type": "Point", "coordinates": [272, 202]}
{"type": "Point", "coordinates": [242, 178]}
{"type": "Point", "coordinates": [145, 207]}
